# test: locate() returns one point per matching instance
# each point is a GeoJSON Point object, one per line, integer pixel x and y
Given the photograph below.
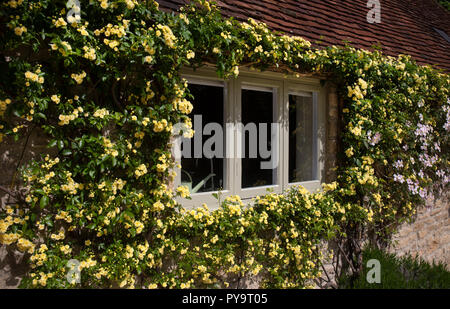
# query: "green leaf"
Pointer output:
{"type": "Point", "coordinates": [44, 201]}
{"type": "Point", "coordinates": [41, 115]}
{"type": "Point", "coordinates": [92, 173]}
{"type": "Point", "coordinates": [67, 152]}
{"type": "Point", "coordinates": [366, 144]}
{"type": "Point", "coordinates": [16, 113]}
{"type": "Point", "coordinates": [39, 191]}
{"type": "Point", "coordinates": [102, 160]}
{"type": "Point", "coordinates": [52, 143]}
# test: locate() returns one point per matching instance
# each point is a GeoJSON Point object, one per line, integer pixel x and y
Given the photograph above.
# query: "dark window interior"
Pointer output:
{"type": "Point", "coordinates": [257, 107]}
{"type": "Point", "coordinates": [204, 174]}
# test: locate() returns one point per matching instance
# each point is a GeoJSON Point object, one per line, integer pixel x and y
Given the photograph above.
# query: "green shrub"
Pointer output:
{"type": "Point", "coordinates": [406, 272]}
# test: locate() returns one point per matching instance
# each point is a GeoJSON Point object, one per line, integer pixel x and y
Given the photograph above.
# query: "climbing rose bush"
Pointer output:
{"type": "Point", "coordinates": [106, 90]}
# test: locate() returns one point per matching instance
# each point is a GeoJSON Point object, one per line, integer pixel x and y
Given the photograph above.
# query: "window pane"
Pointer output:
{"type": "Point", "coordinates": [301, 139]}
{"type": "Point", "coordinates": [257, 108]}
{"type": "Point", "coordinates": [202, 171]}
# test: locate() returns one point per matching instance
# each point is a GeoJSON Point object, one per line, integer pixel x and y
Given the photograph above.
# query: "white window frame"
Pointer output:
{"type": "Point", "coordinates": [282, 87]}
{"type": "Point", "coordinates": [319, 104]}
{"type": "Point", "coordinates": [261, 84]}
{"type": "Point", "coordinates": [198, 199]}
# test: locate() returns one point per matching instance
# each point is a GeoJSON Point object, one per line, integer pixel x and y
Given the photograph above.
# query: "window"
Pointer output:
{"type": "Point", "coordinates": [202, 165]}
{"type": "Point", "coordinates": [302, 138]}
{"type": "Point", "coordinates": [256, 137]}
{"type": "Point", "coordinates": [253, 133]}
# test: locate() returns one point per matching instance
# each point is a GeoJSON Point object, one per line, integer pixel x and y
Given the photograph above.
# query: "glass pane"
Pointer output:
{"type": "Point", "coordinates": [301, 139]}
{"type": "Point", "coordinates": [201, 169]}
{"type": "Point", "coordinates": [257, 109]}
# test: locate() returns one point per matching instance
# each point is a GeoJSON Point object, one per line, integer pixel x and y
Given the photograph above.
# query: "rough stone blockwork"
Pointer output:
{"type": "Point", "coordinates": [429, 235]}
{"type": "Point", "coordinates": [13, 154]}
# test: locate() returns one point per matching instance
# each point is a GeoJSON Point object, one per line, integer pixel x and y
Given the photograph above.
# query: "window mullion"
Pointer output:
{"type": "Point", "coordinates": [315, 136]}
{"type": "Point", "coordinates": [237, 137]}
{"type": "Point", "coordinates": [284, 156]}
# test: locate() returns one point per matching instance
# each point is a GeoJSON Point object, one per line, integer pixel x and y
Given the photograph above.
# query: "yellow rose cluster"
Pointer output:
{"type": "Point", "coordinates": [8, 239]}
{"type": "Point", "coordinates": [163, 165]}
{"type": "Point", "coordinates": [78, 77]}
{"type": "Point", "coordinates": [66, 119]}
{"type": "Point", "coordinates": [169, 38]}
{"type": "Point", "coordinates": [3, 105]}
{"type": "Point", "coordinates": [39, 256]}
{"type": "Point", "coordinates": [34, 77]}
{"type": "Point", "coordinates": [89, 53]}
{"type": "Point", "coordinates": [101, 113]}
{"type": "Point", "coordinates": [160, 125]}
{"type": "Point", "coordinates": [183, 191]}
{"type": "Point", "coordinates": [109, 147]}
{"type": "Point", "coordinates": [140, 171]}
{"type": "Point", "coordinates": [183, 106]}
{"type": "Point", "coordinates": [358, 91]}
{"type": "Point", "coordinates": [20, 30]}
{"type": "Point", "coordinates": [14, 3]}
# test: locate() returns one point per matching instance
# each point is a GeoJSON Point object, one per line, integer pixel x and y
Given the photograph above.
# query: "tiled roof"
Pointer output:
{"type": "Point", "coordinates": [407, 26]}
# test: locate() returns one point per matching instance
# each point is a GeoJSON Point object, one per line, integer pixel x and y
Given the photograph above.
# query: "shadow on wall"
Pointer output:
{"type": "Point", "coordinates": [12, 155]}
{"type": "Point", "coordinates": [12, 267]}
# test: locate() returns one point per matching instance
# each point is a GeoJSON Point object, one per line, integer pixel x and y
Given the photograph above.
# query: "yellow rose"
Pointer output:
{"type": "Point", "coordinates": [349, 152]}
{"type": "Point", "coordinates": [55, 98]}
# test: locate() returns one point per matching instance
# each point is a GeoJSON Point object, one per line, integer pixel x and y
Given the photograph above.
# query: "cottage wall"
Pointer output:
{"type": "Point", "coordinates": [428, 236]}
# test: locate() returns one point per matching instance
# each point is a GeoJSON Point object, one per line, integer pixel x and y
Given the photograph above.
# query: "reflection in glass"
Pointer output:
{"type": "Point", "coordinates": [301, 139]}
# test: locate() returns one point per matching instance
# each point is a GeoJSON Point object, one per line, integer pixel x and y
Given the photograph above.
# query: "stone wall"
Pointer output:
{"type": "Point", "coordinates": [13, 154]}
{"type": "Point", "coordinates": [429, 235]}
{"type": "Point", "coordinates": [332, 131]}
